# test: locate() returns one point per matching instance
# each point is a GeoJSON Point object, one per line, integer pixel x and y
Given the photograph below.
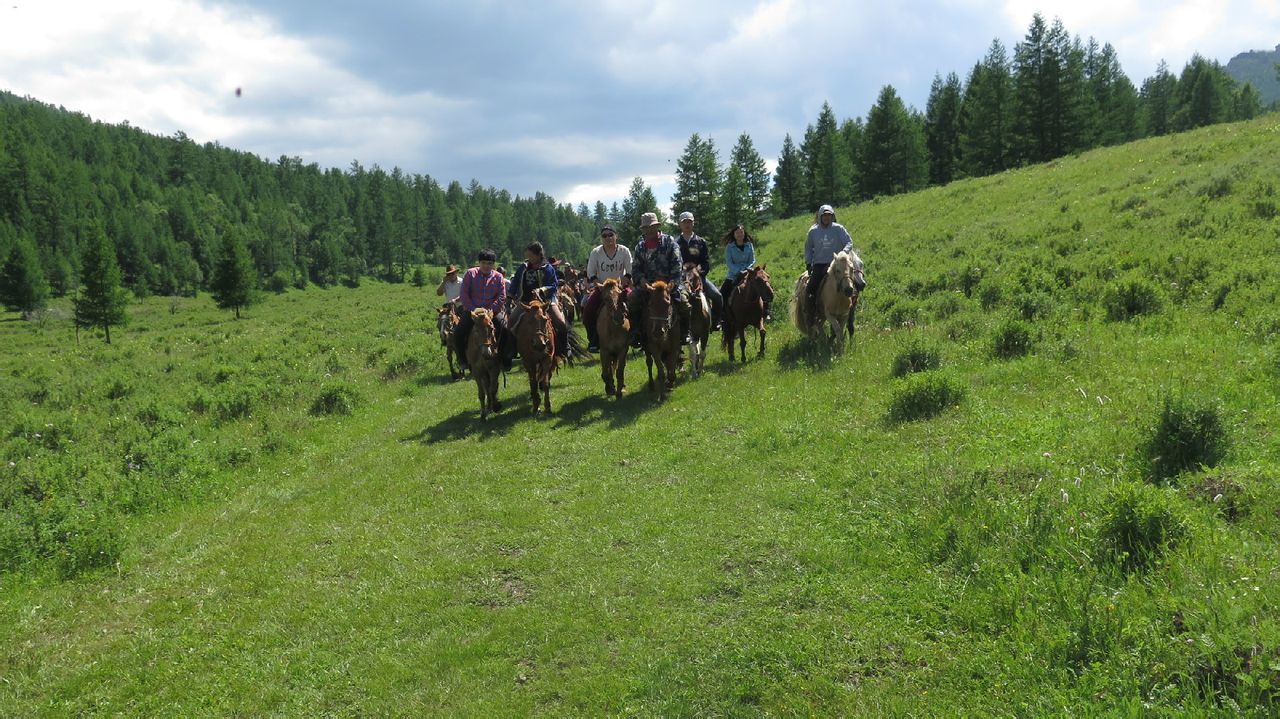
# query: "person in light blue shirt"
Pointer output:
{"type": "Point", "coordinates": [739, 256]}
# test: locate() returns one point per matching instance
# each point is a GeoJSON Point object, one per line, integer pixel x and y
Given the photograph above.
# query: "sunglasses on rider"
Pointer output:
{"type": "Point", "coordinates": [606, 234]}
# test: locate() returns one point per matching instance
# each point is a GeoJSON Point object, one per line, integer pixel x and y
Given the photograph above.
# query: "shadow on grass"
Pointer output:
{"type": "Point", "coordinates": [467, 423]}
{"type": "Point", "coordinates": [597, 408]}
{"type": "Point", "coordinates": [805, 353]}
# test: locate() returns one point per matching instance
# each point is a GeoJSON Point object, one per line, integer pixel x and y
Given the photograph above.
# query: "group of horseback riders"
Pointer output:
{"type": "Point", "coordinates": [657, 257]}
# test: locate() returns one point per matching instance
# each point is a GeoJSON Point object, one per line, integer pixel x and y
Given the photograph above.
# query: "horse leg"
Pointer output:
{"type": "Point", "coordinates": [742, 343]}
{"type": "Point", "coordinates": [545, 386]}
{"type": "Point", "coordinates": [762, 336]}
{"type": "Point", "coordinates": [648, 362]}
{"type": "Point", "coordinates": [606, 371]}
{"type": "Point", "coordinates": [480, 390]}
{"type": "Point", "coordinates": [534, 399]}
{"type": "Point", "coordinates": [620, 364]}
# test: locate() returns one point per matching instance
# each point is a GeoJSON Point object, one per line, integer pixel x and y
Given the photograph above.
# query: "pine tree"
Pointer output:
{"type": "Point", "coordinates": [893, 152]}
{"type": "Point", "coordinates": [942, 129]}
{"type": "Point", "coordinates": [102, 299]}
{"type": "Point", "coordinates": [986, 115]}
{"type": "Point", "coordinates": [736, 199]}
{"type": "Point", "coordinates": [233, 274]}
{"type": "Point", "coordinates": [1156, 103]}
{"type": "Point", "coordinates": [755, 173]}
{"type": "Point", "coordinates": [851, 132]}
{"type": "Point", "coordinates": [22, 283]}
{"type": "Point", "coordinates": [638, 201]}
{"type": "Point", "coordinates": [828, 174]}
{"type": "Point", "coordinates": [790, 195]}
{"type": "Point", "coordinates": [698, 182]}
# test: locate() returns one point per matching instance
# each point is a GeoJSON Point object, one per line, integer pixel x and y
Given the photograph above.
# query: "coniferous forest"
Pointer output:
{"type": "Point", "coordinates": [172, 207]}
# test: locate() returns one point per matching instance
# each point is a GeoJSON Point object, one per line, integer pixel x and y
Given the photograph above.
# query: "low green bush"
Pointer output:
{"type": "Point", "coordinates": [918, 356]}
{"type": "Point", "coordinates": [924, 395]}
{"type": "Point", "coordinates": [1130, 297]}
{"type": "Point", "coordinates": [1189, 433]}
{"type": "Point", "coordinates": [334, 399]}
{"type": "Point", "coordinates": [1012, 339]}
{"type": "Point", "coordinates": [1139, 524]}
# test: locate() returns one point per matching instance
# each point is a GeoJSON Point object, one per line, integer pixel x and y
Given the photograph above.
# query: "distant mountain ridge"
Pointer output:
{"type": "Point", "coordinates": [1259, 68]}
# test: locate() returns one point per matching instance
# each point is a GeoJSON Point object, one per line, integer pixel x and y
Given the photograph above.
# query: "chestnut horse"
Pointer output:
{"type": "Point", "coordinates": [568, 299]}
{"type": "Point", "coordinates": [446, 320]}
{"type": "Point", "coordinates": [699, 322]}
{"type": "Point", "coordinates": [613, 328]}
{"type": "Point", "coordinates": [663, 340]}
{"type": "Point", "coordinates": [837, 299]}
{"type": "Point", "coordinates": [745, 308]}
{"type": "Point", "coordinates": [482, 355]}
{"type": "Point", "coordinates": [536, 340]}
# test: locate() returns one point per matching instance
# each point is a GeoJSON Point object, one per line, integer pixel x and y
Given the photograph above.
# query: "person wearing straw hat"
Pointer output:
{"type": "Point", "coordinates": [451, 286]}
{"type": "Point", "coordinates": [656, 257]}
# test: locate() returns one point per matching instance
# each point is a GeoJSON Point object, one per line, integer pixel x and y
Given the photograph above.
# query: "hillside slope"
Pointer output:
{"type": "Point", "coordinates": [777, 538]}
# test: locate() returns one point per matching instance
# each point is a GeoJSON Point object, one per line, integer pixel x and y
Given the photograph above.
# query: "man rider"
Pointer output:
{"type": "Point", "coordinates": [481, 287]}
{"type": "Point", "coordinates": [536, 278]}
{"type": "Point", "coordinates": [826, 238]}
{"type": "Point", "coordinates": [694, 250]}
{"type": "Point", "coordinates": [450, 287]}
{"type": "Point", "coordinates": [607, 260]}
{"type": "Point", "coordinates": [656, 257]}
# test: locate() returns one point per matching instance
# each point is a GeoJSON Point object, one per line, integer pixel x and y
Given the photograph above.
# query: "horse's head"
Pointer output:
{"type": "Point", "coordinates": [484, 333]}
{"type": "Point", "coordinates": [758, 280]}
{"type": "Point", "coordinates": [693, 279]}
{"type": "Point", "coordinates": [539, 323]}
{"type": "Point", "coordinates": [659, 311]}
{"type": "Point", "coordinates": [842, 273]}
{"type": "Point", "coordinates": [859, 279]}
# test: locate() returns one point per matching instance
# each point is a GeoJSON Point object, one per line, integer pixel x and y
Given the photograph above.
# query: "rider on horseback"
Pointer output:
{"type": "Point", "coordinates": [608, 260]}
{"type": "Point", "coordinates": [656, 257]}
{"type": "Point", "coordinates": [450, 287]}
{"type": "Point", "coordinates": [536, 279]}
{"type": "Point", "coordinates": [826, 238]}
{"type": "Point", "coordinates": [481, 287]}
{"type": "Point", "coordinates": [694, 251]}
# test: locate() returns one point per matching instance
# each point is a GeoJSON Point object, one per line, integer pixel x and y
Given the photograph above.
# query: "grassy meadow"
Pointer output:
{"type": "Point", "coordinates": [1043, 480]}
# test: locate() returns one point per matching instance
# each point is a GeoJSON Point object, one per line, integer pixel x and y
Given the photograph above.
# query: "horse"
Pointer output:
{"type": "Point", "coordinates": [536, 340]}
{"type": "Point", "coordinates": [446, 320]}
{"type": "Point", "coordinates": [482, 355]}
{"type": "Point", "coordinates": [837, 300]}
{"type": "Point", "coordinates": [699, 322]}
{"type": "Point", "coordinates": [745, 308]}
{"type": "Point", "coordinates": [568, 298]}
{"type": "Point", "coordinates": [613, 328]}
{"type": "Point", "coordinates": [663, 338]}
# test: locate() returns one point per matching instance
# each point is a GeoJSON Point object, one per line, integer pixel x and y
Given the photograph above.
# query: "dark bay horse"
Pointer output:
{"type": "Point", "coordinates": [613, 328]}
{"type": "Point", "coordinates": [745, 308]}
{"type": "Point", "coordinates": [536, 340]}
{"type": "Point", "coordinates": [482, 355]}
{"type": "Point", "coordinates": [663, 340]}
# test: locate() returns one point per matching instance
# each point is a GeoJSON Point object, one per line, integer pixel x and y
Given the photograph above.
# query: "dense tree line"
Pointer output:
{"type": "Point", "coordinates": [1054, 96]}
{"type": "Point", "coordinates": [173, 209]}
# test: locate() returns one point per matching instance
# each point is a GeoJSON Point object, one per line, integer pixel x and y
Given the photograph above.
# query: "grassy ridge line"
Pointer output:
{"type": "Point", "coordinates": [777, 547]}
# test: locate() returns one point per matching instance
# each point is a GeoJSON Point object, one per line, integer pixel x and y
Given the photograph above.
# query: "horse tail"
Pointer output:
{"type": "Point", "coordinates": [796, 298]}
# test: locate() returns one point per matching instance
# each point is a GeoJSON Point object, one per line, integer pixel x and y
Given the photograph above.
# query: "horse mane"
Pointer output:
{"type": "Point", "coordinates": [480, 313]}
{"type": "Point", "coordinates": [610, 281]}
{"type": "Point", "coordinates": [659, 285]}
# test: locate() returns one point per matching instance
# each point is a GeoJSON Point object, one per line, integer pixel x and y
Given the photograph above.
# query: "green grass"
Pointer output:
{"type": "Point", "coordinates": [769, 541]}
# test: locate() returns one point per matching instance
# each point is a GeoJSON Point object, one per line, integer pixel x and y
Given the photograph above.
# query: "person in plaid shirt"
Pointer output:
{"type": "Point", "coordinates": [657, 257]}
{"type": "Point", "coordinates": [481, 287]}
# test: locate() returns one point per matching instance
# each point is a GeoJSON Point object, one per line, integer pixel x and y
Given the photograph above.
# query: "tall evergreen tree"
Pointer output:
{"type": "Point", "coordinates": [1112, 99]}
{"type": "Point", "coordinates": [698, 182]}
{"type": "Point", "coordinates": [755, 173]}
{"type": "Point", "coordinates": [893, 153]}
{"type": "Point", "coordinates": [1156, 103]}
{"type": "Point", "coordinates": [736, 202]}
{"type": "Point", "coordinates": [828, 174]}
{"type": "Point", "coordinates": [1047, 91]}
{"type": "Point", "coordinates": [986, 115]}
{"type": "Point", "coordinates": [233, 274]}
{"type": "Point", "coordinates": [102, 298]}
{"type": "Point", "coordinates": [942, 129]}
{"type": "Point", "coordinates": [790, 193]}
{"type": "Point", "coordinates": [22, 283]}
{"type": "Point", "coordinates": [1203, 96]}
{"type": "Point", "coordinates": [638, 201]}
{"type": "Point", "coordinates": [851, 132]}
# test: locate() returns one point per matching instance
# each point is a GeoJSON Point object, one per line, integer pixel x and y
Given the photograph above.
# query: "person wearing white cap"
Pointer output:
{"type": "Point", "coordinates": [694, 251]}
{"type": "Point", "coordinates": [826, 238]}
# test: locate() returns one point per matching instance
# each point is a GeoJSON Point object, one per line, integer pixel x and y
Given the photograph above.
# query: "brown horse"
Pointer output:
{"type": "Point", "coordinates": [446, 320]}
{"type": "Point", "coordinates": [536, 340]}
{"type": "Point", "coordinates": [482, 355]}
{"type": "Point", "coordinates": [568, 302]}
{"type": "Point", "coordinates": [663, 338]}
{"type": "Point", "coordinates": [745, 308]}
{"type": "Point", "coordinates": [613, 328]}
{"type": "Point", "coordinates": [699, 322]}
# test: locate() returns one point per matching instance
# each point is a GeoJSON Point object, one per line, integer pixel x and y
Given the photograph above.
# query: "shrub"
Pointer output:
{"type": "Point", "coordinates": [1012, 339]}
{"type": "Point", "coordinates": [1189, 434]}
{"type": "Point", "coordinates": [924, 395]}
{"type": "Point", "coordinates": [903, 313]}
{"type": "Point", "coordinates": [85, 538]}
{"type": "Point", "coordinates": [1139, 524]}
{"type": "Point", "coordinates": [278, 282]}
{"type": "Point", "coordinates": [118, 388]}
{"type": "Point", "coordinates": [1033, 304]}
{"type": "Point", "coordinates": [419, 277]}
{"type": "Point", "coordinates": [334, 399]}
{"type": "Point", "coordinates": [990, 293]}
{"type": "Point", "coordinates": [1129, 297]}
{"type": "Point", "coordinates": [918, 356]}
{"type": "Point", "coordinates": [400, 365]}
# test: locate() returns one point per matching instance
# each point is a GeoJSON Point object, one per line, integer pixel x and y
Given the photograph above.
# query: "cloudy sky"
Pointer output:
{"type": "Point", "coordinates": [570, 97]}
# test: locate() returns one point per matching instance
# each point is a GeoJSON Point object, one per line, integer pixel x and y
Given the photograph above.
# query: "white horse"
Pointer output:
{"type": "Point", "coordinates": [837, 299]}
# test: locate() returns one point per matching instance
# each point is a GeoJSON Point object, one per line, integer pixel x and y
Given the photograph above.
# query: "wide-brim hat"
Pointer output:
{"type": "Point", "coordinates": [648, 219]}
{"type": "Point", "coordinates": [451, 270]}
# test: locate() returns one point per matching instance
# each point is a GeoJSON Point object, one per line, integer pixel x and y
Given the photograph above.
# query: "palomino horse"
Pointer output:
{"type": "Point", "coordinates": [446, 320]}
{"type": "Point", "coordinates": [663, 340]}
{"type": "Point", "coordinates": [482, 355]}
{"type": "Point", "coordinates": [837, 299]}
{"type": "Point", "coordinates": [536, 340]}
{"type": "Point", "coordinates": [699, 322]}
{"type": "Point", "coordinates": [745, 308]}
{"type": "Point", "coordinates": [613, 328]}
